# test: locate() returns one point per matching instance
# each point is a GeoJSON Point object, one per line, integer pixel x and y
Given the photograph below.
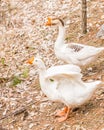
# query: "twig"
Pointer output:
{"type": "Point", "coordinates": [18, 111]}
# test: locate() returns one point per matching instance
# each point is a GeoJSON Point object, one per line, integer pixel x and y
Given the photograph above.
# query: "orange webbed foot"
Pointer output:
{"type": "Point", "coordinates": [61, 119]}
{"type": "Point", "coordinates": [62, 112]}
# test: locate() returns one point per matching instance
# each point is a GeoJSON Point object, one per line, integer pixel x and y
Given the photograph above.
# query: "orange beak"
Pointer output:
{"type": "Point", "coordinates": [49, 22]}
{"type": "Point", "coordinates": [30, 61]}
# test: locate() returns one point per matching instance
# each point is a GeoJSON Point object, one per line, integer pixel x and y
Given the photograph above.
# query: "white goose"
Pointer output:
{"type": "Point", "coordinates": [63, 83]}
{"type": "Point", "coordinates": [74, 53]}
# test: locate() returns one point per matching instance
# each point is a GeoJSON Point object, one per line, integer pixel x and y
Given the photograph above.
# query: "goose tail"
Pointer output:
{"type": "Point", "coordinates": [92, 86]}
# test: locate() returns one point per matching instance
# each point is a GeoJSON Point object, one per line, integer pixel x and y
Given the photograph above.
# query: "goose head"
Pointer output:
{"type": "Point", "coordinates": [36, 61]}
{"type": "Point", "coordinates": [54, 21]}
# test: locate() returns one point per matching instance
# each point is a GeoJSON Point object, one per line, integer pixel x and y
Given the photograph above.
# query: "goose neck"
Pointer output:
{"type": "Point", "coordinates": [41, 73]}
{"type": "Point", "coordinates": [60, 39]}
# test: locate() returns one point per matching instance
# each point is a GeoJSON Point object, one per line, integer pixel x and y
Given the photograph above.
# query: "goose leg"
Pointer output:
{"type": "Point", "coordinates": [63, 118]}
{"type": "Point", "coordinates": [62, 112]}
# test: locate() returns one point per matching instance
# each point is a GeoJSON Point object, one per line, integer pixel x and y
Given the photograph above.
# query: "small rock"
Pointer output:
{"type": "Point", "coordinates": [31, 125]}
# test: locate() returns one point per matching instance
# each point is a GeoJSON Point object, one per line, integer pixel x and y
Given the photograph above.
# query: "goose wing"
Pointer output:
{"type": "Point", "coordinates": [84, 51]}
{"type": "Point", "coordinates": [63, 71]}
{"type": "Point", "coordinates": [76, 47]}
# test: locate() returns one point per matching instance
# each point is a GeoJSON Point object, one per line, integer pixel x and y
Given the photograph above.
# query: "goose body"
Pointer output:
{"type": "Point", "coordinates": [63, 84]}
{"type": "Point", "coordinates": [74, 53]}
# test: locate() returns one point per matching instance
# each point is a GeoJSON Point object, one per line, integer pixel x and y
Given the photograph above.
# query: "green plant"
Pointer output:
{"type": "Point", "coordinates": [25, 73]}
{"type": "Point", "coordinates": [16, 80]}
{"type": "Point", "coordinates": [3, 61]}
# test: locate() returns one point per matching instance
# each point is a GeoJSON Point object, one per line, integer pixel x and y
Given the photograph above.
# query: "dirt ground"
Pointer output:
{"type": "Point", "coordinates": [23, 106]}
